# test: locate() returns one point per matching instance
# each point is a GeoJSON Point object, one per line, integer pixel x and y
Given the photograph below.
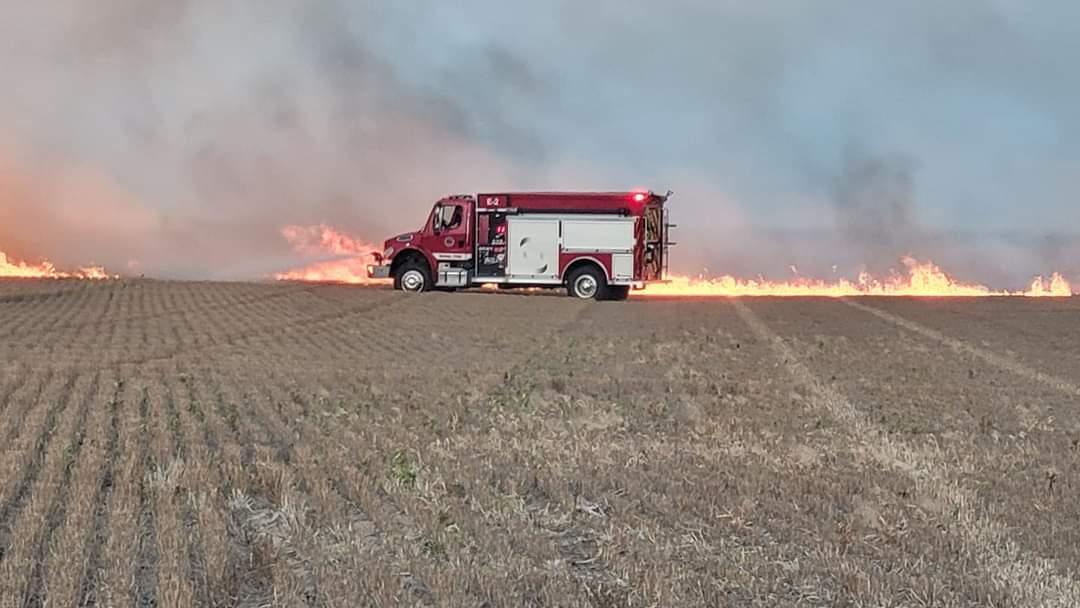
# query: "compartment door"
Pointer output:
{"type": "Point", "coordinates": [533, 249]}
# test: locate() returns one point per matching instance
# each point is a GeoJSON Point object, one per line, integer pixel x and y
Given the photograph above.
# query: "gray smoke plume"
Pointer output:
{"type": "Point", "coordinates": [876, 209]}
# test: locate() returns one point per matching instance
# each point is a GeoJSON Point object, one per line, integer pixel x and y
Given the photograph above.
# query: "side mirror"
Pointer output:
{"type": "Point", "coordinates": [436, 222]}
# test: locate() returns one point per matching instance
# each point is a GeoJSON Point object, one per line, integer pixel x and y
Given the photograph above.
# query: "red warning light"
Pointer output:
{"type": "Point", "coordinates": [640, 196]}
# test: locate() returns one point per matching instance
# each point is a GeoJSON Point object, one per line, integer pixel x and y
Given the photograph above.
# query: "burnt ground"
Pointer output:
{"type": "Point", "coordinates": [203, 444]}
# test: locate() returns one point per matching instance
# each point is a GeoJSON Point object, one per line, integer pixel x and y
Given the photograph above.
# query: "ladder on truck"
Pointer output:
{"type": "Point", "coordinates": [668, 244]}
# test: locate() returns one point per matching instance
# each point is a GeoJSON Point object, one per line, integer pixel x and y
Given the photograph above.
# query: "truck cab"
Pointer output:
{"type": "Point", "coordinates": [597, 245]}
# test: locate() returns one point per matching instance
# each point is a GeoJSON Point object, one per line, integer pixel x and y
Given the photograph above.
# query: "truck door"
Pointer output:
{"type": "Point", "coordinates": [448, 237]}
{"type": "Point", "coordinates": [449, 240]}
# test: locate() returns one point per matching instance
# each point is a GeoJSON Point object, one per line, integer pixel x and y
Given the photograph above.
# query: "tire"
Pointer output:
{"type": "Point", "coordinates": [618, 293]}
{"type": "Point", "coordinates": [413, 277]}
{"type": "Point", "coordinates": [587, 283]}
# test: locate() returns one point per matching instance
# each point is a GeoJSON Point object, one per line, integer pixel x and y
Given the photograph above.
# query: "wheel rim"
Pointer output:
{"type": "Point", "coordinates": [412, 280]}
{"type": "Point", "coordinates": [585, 286]}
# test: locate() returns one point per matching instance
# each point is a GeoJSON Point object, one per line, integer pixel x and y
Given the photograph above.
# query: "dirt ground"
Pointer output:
{"type": "Point", "coordinates": [198, 444]}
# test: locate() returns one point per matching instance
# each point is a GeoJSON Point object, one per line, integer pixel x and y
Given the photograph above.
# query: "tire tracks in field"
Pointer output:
{"type": "Point", "coordinates": [35, 595]}
{"type": "Point", "coordinates": [90, 577]}
{"type": "Point", "coordinates": [1033, 579]}
{"type": "Point", "coordinates": [1000, 361]}
{"type": "Point", "coordinates": [14, 504]}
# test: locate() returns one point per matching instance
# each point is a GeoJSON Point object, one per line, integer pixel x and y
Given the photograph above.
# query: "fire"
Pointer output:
{"type": "Point", "coordinates": [323, 240]}
{"type": "Point", "coordinates": [920, 279]}
{"type": "Point", "coordinates": [350, 265]}
{"type": "Point", "coordinates": [45, 270]}
{"type": "Point", "coordinates": [1056, 287]}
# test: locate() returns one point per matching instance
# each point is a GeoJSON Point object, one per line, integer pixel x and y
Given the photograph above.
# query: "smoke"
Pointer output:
{"type": "Point", "coordinates": [184, 136]}
{"type": "Point", "coordinates": [876, 208]}
{"type": "Point", "coordinates": [73, 213]}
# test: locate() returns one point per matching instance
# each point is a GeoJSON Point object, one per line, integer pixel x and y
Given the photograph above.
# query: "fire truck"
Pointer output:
{"type": "Point", "coordinates": [598, 245]}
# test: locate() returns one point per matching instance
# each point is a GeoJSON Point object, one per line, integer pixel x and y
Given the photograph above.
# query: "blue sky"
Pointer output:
{"type": "Point", "coordinates": [215, 122]}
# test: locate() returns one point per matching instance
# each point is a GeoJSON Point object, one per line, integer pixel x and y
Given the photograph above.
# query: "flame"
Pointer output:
{"type": "Point", "coordinates": [322, 240]}
{"type": "Point", "coordinates": [352, 254]}
{"type": "Point", "coordinates": [1055, 287]}
{"type": "Point", "coordinates": [45, 270]}
{"type": "Point", "coordinates": [352, 271]}
{"type": "Point", "coordinates": [920, 279]}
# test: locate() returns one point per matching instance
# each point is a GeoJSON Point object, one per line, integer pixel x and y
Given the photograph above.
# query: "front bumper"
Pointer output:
{"type": "Point", "coordinates": [378, 271]}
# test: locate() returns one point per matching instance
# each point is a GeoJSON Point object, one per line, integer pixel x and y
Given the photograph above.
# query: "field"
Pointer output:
{"type": "Point", "coordinates": [198, 444]}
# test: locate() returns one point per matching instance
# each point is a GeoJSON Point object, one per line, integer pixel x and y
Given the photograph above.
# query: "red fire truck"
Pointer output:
{"type": "Point", "coordinates": [597, 244]}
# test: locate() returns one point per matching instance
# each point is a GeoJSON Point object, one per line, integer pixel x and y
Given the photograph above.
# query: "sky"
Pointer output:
{"type": "Point", "coordinates": [178, 138]}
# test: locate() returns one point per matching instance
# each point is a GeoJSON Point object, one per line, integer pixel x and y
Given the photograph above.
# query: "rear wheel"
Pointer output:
{"type": "Point", "coordinates": [587, 283]}
{"type": "Point", "coordinates": [413, 277]}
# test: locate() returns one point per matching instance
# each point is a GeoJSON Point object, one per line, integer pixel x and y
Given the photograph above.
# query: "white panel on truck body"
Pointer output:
{"type": "Point", "coordinates": [533, 248]}
{"type": "Point", "coordinates": [598, 234]}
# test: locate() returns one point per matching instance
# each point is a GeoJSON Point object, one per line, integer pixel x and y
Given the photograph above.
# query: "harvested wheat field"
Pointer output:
{"type": "Point", "coordinates": [197, 444]}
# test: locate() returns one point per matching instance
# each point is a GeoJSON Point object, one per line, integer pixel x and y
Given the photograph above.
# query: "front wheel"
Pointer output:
{"type": "Point", "coordinates": [413, 277]}
{"type": "Point", "coordinates": [587, 283]}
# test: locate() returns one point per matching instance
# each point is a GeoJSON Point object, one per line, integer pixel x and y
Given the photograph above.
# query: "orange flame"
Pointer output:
{"type": "Point", "coordinates": [324, 240]}
{"type": "Point", "coordinates": [921, 279]}
{"type": "Point", "coordinates": [45, 270]}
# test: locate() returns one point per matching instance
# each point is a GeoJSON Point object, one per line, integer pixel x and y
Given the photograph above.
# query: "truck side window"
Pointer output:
{"type": "Point", "coordinates": [449, 217]}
